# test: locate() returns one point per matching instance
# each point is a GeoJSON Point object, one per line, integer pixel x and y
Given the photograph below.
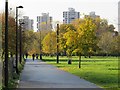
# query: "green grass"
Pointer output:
{"type": "Point", "coordinates": [102, 71]}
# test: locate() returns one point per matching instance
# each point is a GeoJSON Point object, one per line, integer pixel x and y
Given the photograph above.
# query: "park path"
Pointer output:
{"type": "Point", "coordinates": [38, 74]}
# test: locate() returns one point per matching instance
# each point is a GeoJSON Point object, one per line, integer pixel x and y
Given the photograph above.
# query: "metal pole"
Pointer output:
{"type": "Point", "coordinates": [16, 40]}
{"type": "Point", "coordinates": [80, 61]}
{"type": "Point", "coordinates": [6, 46]}
{"type": "Point", "coordinates": [40, 47]}
{"type": "Point", "coordinates": [57, 43]}
{"type": "Point", "coordinates": [20, 43]}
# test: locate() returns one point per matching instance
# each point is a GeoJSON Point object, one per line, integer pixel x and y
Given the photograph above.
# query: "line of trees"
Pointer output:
{"type": "Point", "coordinates": [87, 36]}
{"type": "Point", "coordinates": [83, 37]}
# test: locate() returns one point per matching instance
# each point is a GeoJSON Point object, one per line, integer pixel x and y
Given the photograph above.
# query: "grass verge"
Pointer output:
{"type": "Point", "coordinates": [103, 71]}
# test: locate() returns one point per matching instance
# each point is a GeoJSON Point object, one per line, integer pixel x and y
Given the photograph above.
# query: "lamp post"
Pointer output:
{"type": "Point", "coordinates": [20, 41]}
{"type": "Point", "coordinates": [17, 38]}
{"type": "Point", "coordinates": [6, 46]}
{"type": "Point", "coordinates": [40, 47]}
{"type": "Point", "coordinates": [57, 43]}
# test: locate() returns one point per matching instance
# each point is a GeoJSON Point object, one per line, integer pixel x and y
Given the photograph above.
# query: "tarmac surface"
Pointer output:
{"type": "Point", "coordinates": [39, 74]}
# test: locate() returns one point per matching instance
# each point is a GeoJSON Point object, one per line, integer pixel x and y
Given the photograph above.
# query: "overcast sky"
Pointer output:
{"type": "Point", "coordinates": [107, 9]}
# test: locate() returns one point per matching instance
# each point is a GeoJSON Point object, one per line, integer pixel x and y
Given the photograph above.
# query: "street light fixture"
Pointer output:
{"type": "Point", "coordinates": [17, 38]}
{"type": "Point", "coordinates": [20, 7]}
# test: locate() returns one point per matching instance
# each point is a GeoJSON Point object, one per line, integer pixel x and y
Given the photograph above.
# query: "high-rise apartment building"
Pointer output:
{"type": "Point", "coordinates": [119, 16]}
{"type": "Point", "coordinates": [44, 22]}
{"type": "Point", "coordinates": [70, 15]}
{"type": "Point", "coordinates": [28, 23]}
{"type": "Point", "coordinates": [92, 15]}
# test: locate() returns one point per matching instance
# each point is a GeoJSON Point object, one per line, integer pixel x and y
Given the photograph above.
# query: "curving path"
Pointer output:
{"type": "Point", "coordinates": [38, 74]}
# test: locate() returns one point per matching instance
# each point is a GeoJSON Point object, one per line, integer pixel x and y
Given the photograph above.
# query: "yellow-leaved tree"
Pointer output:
{"type": "Point", "coordinates": [83, 39]}
{"type": "Point", "coordinates": [49, 43]}
{"type": "Point", "coordinates": [86, 40]}
{"type": "Point", "coordinates": [65, 31]}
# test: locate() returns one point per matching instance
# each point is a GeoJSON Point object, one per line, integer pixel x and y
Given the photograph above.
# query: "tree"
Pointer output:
{"type": "Point", "coordinates": [79, 37]}
{"type": "Point", "coordinates": [112, 45]}
{"type": "Point", "coordinates": [46, 26]}
{"type": "Point", "coordinates": [64, 28]}
{"type": "Point", "coordinates": [115, 49]}
{"type": "Point", "coordinates": [102, 26]}
{"type": "Point", "coordinates": [49, 43]}
{"type": "Point", "coordinates": [71, 39]}
{"type": "Point", "coordinates": [29, 42]}
{"type": "Point", "coordinates": [11, 33]}
{"type": "Point", "coordinates": [0, 37]}
{"type": "Point", "coordinates": [84, 37]}
{"type": "Point", "coordinates": [106, 41]}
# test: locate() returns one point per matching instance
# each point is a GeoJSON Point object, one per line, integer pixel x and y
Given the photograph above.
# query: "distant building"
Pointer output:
{"type": "Point", "coordinates": [92, 15]}
{"type": "Point", "coordinates": [119, 16]}
{"type": "Point", "coordinates": [28, 23]}
{"type": "Point", "coordinates": [44, 22]}
{"type": "Point", "coordinates": [70, 15]}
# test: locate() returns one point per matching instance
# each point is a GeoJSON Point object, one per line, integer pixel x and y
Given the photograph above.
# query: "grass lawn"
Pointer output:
{"type": "Point", "coordinates": [102, 71]}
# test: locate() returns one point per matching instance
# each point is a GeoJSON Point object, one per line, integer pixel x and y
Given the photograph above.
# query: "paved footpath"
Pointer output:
{"type": "Point", "coordinates": [38, 74]}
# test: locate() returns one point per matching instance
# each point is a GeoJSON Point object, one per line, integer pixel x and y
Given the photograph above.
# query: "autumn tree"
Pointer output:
{"type": "Point", "coordinates": [0, 36]}
{"type": "Point", "coordinates": [45, 26]}
{"type": "Point", "coordinates": [29, 42]}
{"type": "Point", "coordinates": [108, 43]}
{"type": "Point", "coordinates": [86, 39]}
{"type": "Point", "coordinates": [49, 43]}
{"type": "Point", "coordinates": [11, 33]}
{"type": "Point", "coordinates": [63, 31]}
{"type": "Point", "coordinates": [79, 37]}
{"type": "Point", "coordinates": [115, 49]}
{"type": "Point", "coordinates": [102, 26]}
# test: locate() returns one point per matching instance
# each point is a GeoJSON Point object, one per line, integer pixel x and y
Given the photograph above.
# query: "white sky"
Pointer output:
{"type": "Point", "coordinates": [107, 9]}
